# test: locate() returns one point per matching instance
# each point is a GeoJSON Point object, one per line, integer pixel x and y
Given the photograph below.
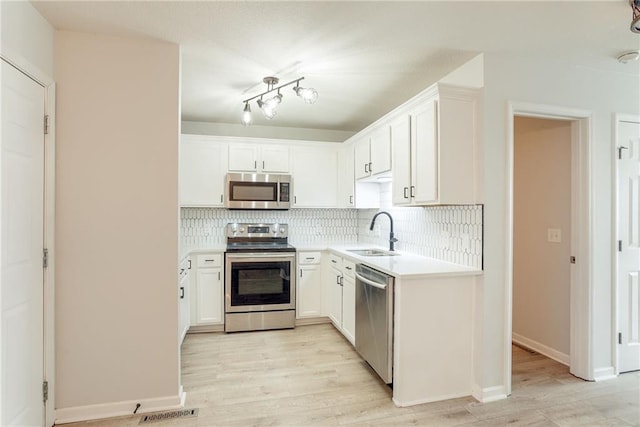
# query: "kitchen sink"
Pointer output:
{"type": "Point", "coordinates": [372, 252]}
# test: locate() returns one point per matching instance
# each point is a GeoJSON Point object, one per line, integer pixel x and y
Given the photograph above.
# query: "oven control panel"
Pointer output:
{"type": "Point", "coordinates": [253, 230]}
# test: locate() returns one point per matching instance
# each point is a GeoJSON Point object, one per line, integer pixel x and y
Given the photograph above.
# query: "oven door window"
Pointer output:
{"type": "Point", "coordinates": [260, 283]}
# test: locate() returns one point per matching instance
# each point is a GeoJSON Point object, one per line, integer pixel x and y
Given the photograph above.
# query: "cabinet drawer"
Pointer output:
{"type": "Point", "coordinates": [349, 268]}
{"type": "Point", "coordinates": [335, 261]}
{"type": "Point", "coordinates": [210, 260]}
{"type": "Point", "coordinates": [309, 258]}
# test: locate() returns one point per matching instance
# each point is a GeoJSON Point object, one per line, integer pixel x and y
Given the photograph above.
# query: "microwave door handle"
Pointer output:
{"type": "Point", "coordinates": [278, 193]}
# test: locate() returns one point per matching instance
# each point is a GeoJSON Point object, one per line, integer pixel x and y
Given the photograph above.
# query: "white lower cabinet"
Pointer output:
{"type": "Point", "coordinates": [208, 298]}
{"type": "Point", "coordinates": [342, 296]}
{"type": "Point", "coordinates": [184, 293]}
{"type": "Point", "coordinates": [309, 290]}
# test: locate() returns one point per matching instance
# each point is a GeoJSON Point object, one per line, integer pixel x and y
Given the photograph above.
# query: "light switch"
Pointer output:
{"type": "Point", "coordinates": [554, 235]}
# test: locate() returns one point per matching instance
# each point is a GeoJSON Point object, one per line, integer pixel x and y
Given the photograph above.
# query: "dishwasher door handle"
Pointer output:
{"type": "Point", "coordinates": [371, 282]}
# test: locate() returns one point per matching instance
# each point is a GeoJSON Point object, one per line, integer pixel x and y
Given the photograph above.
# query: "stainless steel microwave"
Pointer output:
{"type": "Point", "coordinates": [258, 191]}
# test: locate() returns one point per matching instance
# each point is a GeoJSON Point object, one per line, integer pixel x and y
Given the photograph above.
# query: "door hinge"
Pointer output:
{"type": "Point", "coordinates": [619, 337]}
{"type": "Point", "coordinates": [46, 125]}
{"type": "Point", "coordinates": [45, 391]}
{"type": "Point", "coordinates": [45, 258]}
{"type": "Point", "coordinates": [619, 245]}
{"type": "Point", "coordinates": [572, 259]}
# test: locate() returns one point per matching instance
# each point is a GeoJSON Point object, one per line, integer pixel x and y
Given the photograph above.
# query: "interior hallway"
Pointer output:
{"type": "Point", "coordinates": [312, 376]}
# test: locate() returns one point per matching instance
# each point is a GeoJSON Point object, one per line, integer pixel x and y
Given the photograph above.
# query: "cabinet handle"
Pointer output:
{"type": "Point", "coordinates": [300, 272]}
{"type": "Point", "coordinates": [406, 196]}
{"type": "Point", "coordinates": [295, 200]}
{"type": "Point", "coordinates": [413, 191]}
{"type": "Point", "coordinates": [263, 164]}
{"type": "Point", "coordinates": [221, 198]}
{"type": "Point", "coordinates": [334, 261]}
{"type": "Point", "coordinates": [370, 168]}
{"type": "Point", "coordinates": [208, 260]}
{"type": "Point", "coordinates": [218, 275]}
{"type": "Point", "coordinates": [189, 264]}
{"type": "Point", "coordinates": [348, 268]}
{"type": "Point", "coordinates": [309, 258]}
{"type": "Point", "coordinates": [337, 280]}
{"type": "Point", "coordinates": [350, 200]}
{"type": "Point", "coordinates": [181, 292]}
{"type": "Point", "coordinates": [341, 278]}
{"type": "Point", "coordinates": [366, 168]}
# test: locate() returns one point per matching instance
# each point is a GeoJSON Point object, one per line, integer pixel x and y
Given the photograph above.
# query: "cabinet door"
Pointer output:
{"type": "Point", "coordinates": [184, 315]}
{"type": "Point", "coordinates": [346, 178]}
{"type": "Point", "coordinates": [309, 291]}
{"type": "Point", "coordinates": [335, 298]}
{"type": "Point", "coordinates": [274, 159]}
{"type": "Point", "coordinates": [401, 161]}
{"type": "Point", "coordinates": [243, 158]}
{"type": "Point", "coordinates": [315, 177]}
{"type": "Point", "coordinates": [362, 158]}
{"type": "Point", "coordinates": [380, 151]}
{"type": "Point", "coordinates": [424, 155]}
{"type": "Point", "coordinates": [349, 308]}
{"type": "Point", "coordinates": [209, 308]}
{"type": "Point", "coordinates": [202, 172]}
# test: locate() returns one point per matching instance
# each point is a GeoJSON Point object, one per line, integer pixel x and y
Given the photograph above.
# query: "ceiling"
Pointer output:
{"type": "Point", "coordinates": [363, 58]}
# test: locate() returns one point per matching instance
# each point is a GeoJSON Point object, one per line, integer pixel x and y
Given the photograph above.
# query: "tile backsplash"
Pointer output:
{"type": "Point", "coordinates": [202, 227]}
{"type": "Point", "coordinates": [448, 233]}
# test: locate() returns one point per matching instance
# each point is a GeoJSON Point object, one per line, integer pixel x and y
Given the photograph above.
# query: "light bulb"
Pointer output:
{"type": "Point", "coordinates": [246, 115]}
{"type": "Point", "coordinates": [309, 95]}
{"type": "Point", "coordinates": [268, 108]}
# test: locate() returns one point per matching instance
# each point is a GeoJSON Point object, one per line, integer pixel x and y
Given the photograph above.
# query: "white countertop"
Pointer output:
{"type": "Point", "coordinates": [405, 264]}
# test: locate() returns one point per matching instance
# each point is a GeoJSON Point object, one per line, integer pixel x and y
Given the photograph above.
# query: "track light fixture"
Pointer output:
{"type": "Point", "coordinates": [269, 106]}
{"type": "Point", "coordinates": [635, 22]}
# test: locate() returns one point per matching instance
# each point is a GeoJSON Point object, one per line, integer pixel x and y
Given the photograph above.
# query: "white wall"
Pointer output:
{"type": "Point", "coordinates": [527, 79]}
{"type": "Point", "coordinates": [116, 223]}
{"type": "Point", "coordinates": [541, 269]}
{"type": "Point", "coordinates": [228, 129]}
{"type": "Point", "coordinates": [26, 37]}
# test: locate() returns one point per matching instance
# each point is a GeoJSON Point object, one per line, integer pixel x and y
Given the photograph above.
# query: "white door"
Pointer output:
{"type": "Point", "coordinates": [21, 296]}
{"type": "Point", "coordinates": [629, 248]}
{"type": "Point", "coordinates": [401, 161]}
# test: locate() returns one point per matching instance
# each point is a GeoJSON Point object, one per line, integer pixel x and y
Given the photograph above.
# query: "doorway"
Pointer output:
{"type": "Point", "coordinates": [542, 236]}
{"type": "Point", "coordinates": [580, 288]}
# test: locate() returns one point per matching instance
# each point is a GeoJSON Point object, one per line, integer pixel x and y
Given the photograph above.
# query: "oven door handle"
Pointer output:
{"type": "Point", "coordinates": [262, 255]}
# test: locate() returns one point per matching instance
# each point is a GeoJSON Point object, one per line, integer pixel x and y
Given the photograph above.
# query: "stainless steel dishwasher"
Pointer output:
{"type": "Point", "coordinates": [374, 320]}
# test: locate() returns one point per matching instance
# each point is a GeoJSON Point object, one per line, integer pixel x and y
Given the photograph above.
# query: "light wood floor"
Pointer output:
{"type": "Point", "coordinates": [312, 376]}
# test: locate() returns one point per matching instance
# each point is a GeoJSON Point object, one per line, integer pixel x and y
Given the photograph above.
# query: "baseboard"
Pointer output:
{"type": "Point", "coordinates": [118, 409]}
{"type": "Point", "coordinates": [603, 374]}
{"type": "Point", "coordinates": [489, 394]}
{"type": "Point", "coordinates": [542, 349]}
{"type": "Point", "coordinates": [429, 400]}
{"type": "Point", "coordinates": [312, 321]}
{"type": "Point", "coordinates": [198, 329]}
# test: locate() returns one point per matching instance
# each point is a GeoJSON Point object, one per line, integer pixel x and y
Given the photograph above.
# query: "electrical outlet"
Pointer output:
{"type": "Point", "coordinates": [554, 235]}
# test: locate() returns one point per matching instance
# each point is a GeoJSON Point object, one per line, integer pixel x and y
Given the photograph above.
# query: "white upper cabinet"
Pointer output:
{"type": "Point", "coordinates": [346, 177]}
{"type": "Point", "coordinates": [434, 144]}
{"type": "Point", "coordinates": [380, 151]}
{"type": "Point", "coordinates": [315, 176]}
{"type": "Point", "coordinates": [373, 154]}
{"type": "Point", "coordinates": [258, 158]}
{"type": "Point", "coordinates": [202, 171]}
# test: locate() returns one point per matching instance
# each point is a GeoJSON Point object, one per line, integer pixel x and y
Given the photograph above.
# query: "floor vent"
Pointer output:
{"type": "Point", "coordinates": [170, 415]}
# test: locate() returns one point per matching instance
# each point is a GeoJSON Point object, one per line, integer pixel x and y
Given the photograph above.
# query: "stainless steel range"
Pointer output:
{"type": "Point", "coordinates": [260, 280]}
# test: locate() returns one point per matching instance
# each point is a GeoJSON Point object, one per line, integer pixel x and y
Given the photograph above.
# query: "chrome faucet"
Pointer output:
{"type": "Point", "coordinates": [392, 239]}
